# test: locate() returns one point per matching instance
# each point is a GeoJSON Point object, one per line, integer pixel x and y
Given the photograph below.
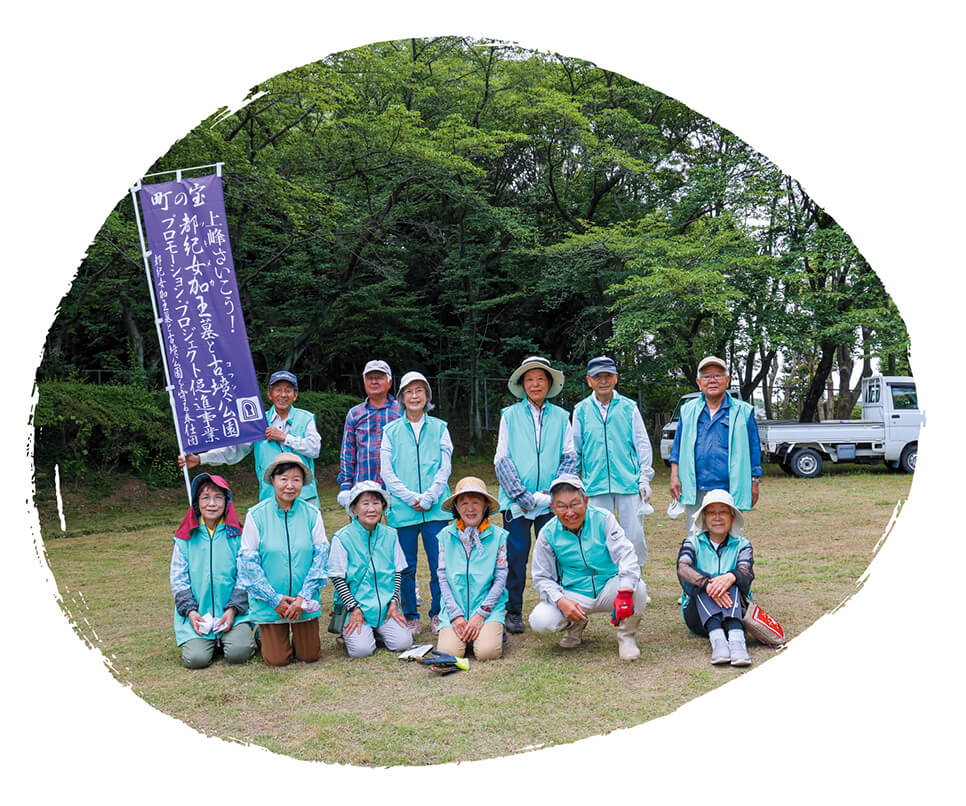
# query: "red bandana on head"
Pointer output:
{"type": "Point", "coordinates": [191, 522]}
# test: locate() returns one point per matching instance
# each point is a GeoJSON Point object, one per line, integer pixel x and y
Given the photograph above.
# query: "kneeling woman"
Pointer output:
{"type": "Point", "coordinates": [366, 564]}
{"type": "Point", "coordinates": [472, 574]}
{"type": "Point", "coordinates": [716, 568]}
{"type": "Point", "coordinates": [282, 564]}
{"type": "Point", "coordinates": [210, 607]}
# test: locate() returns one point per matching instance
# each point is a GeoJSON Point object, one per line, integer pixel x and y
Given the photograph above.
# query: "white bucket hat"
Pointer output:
{"type": "Point", "coordinates": [568, 478]}
{"type": "Point", "coordinates": [535, 362]}
{"type": "Point", "coordinates": [719, 497]}
{"type": "Point", "coordinates": [413, 377]}
{"type": "Point", "coordinates": [367, 486]}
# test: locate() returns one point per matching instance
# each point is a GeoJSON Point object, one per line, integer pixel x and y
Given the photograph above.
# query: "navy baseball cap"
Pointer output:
{"type": "Point", "coordinates": [601, 364]}
{"type": "Point", "coordinates": [283, 375]}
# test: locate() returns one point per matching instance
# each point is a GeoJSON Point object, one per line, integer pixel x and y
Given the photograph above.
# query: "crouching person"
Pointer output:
{"type": "Point", "coordinates": [715, 569]}
{"type": "Point", "coordinates": [582, 564]}
{"type": "Point", "coordinates": [366, 564]}
{"type": "Point", "coordinates": [211, 608]}
{"type": "Point", "coordinates": [472, 574]}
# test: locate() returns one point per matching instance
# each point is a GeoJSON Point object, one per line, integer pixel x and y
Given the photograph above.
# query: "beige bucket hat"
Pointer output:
{"type": "Point", "coordinates": [470, 484]}
{"type": "Point", "coordinates": [535, 362]}
{"type": "Point", "coordinates": [284, 458]}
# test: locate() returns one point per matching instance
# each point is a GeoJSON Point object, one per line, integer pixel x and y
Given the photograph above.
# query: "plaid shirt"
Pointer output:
{"type": "Point", "coordinates": [361, 439]}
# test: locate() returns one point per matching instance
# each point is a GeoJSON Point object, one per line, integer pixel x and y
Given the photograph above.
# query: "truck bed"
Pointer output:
{"type": "Point", "coordinates": [776, 432]}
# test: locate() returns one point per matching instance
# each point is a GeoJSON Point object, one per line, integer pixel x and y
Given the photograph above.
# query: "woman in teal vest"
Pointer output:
{"type": "Point", "coordinates": [282, 564]}
{"type": "Point", "coordinates": [415, 463]}
{"type": "Point", "coordinates": [715, 569]}
{"type": "Point", "coordinates": [210, 608]}
{"type": "Point", "coordinates": [472, 574]}
{"type": "Point", "coordinates": [366, 564]}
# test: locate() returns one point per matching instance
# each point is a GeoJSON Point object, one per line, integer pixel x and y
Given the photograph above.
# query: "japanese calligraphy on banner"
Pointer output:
{"type": "Point", "coordinates": [217, 400]}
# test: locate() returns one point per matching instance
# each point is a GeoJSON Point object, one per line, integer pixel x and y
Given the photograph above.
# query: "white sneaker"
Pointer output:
{"type": "Point", "coordinates": [573, 635]}
{"type": "Point", "coordinates": [720, 652]}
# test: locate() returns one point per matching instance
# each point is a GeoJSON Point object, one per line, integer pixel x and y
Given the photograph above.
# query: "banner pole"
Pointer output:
{"type": "Point", "coordinates": [145, 254]}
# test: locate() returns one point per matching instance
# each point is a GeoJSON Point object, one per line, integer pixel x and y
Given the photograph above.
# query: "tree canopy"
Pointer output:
{"type": "Point", "coordinates": [452, 205]}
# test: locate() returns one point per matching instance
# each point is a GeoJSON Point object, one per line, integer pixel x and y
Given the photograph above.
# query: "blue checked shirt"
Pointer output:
{"type": "Point", "coordinates": [361, 440]}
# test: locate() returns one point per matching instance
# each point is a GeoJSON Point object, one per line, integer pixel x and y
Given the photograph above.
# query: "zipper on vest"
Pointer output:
{"type": "Point", "coordinates": [288, 544]}
{"type": "Point", "coordinates": [211, 571]}
{"type": "Point", "coordinates": [536, 442]}
{"type": "Point", "coordinates": [468, 585]}
{"type": "Point", "coordinates": [580, 545]}
{"type": "Point", "coordinates": [375, 580]}
{"type": "Point", "coordinates": [607, 447]}
{"type": "Point", "coordinates": [419, 465]}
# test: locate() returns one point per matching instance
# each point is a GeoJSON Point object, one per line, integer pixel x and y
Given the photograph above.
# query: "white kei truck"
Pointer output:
{"type": "Point", "coordinates": [888, 432]}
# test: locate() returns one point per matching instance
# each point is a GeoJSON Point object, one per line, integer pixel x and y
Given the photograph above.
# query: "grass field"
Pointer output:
{"type": "Point", "coordinates": [812, 539]}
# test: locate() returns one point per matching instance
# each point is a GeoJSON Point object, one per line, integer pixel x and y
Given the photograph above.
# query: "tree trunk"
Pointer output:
{"type": "Point", "coordinates": [817, 385]}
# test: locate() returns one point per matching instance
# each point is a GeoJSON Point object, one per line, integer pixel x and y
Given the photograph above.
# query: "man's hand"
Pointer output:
{"type": "Point", "coordinates": [718, 588]}
{"type": "Point", "coordinates": [572, 611]}
{"type": "Point", "coordinates": [192, 460]}
{"type": "Point", "coordinates": [275, 434]}
{"type": "Point", "coordinates": [195, 618]}
{"type": "Point", "coordinates": [675, 485]}
{"type": "Point", "coordinates": [754, 492]}
{"type": "Point", "coordinates": [355, 622]}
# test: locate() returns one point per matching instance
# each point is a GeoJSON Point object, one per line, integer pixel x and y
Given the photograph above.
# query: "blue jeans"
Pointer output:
{"type": "Point", "coordinates": [409, 540]}
{"type": "Point", "coordinates": [517, 555]}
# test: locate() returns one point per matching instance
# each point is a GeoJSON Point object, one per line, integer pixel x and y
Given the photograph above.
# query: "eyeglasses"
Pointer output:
{"type": "Point", "coordinates": [712, 377]}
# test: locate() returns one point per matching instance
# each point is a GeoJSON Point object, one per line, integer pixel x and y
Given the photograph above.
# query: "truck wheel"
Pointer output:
{"type": "Point", "coordinates": [786, 467]}
{"type": "Point", "coordinates": [907, 461]}
{"type": "Point", "coordinates": [806, 463]}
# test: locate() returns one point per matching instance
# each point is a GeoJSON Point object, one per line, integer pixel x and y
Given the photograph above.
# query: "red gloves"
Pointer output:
{"type": "Point", "coordinates": [623, 607]}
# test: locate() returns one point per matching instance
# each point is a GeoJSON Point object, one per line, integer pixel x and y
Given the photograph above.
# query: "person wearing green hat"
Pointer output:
{"type": "Point", "coordinates": [289, 429]}
{"type": "Point", "coordinates": [534, 445]}
{"type": "Point", "coordinates": [210, 606]}
{"type": "Point", "coordinates": [282, 564]}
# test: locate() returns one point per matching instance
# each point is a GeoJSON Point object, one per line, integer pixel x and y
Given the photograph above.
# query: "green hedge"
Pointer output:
{"type": "Point", "coordinates": [90, 429]}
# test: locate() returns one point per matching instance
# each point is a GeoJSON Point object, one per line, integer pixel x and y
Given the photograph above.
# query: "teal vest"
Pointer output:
{"type": "Point", "coordinates": [267, 449]}
{"type": "Point", "coordinates": [739, 458]}
{"type": "Point", "coordinates": [285, 551]}
{"type": "Point", "coordinates": [708, 561]}
{"type": "Point", "coordinates": [536, 469]}
{"type": "Point", "coordinates": [584, 564]}
{"type": "Point", "coordinates": [471, 577]}
{"type": "Point", "coordinates": [211, 569]}
{"type": "Point", "coordinates": [608, 457]}
{"type": "Point", "coordinates": [416, 465]}
{"type": "Point", "coordinates": [371, 570]}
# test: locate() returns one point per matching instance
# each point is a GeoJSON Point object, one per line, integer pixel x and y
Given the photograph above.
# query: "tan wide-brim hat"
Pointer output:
{"type": "Point", "coordinates": [535, 362]}
{"type": "Point", "coordinates": [470, 484]}
{"type": "Point", "coordinates": [285, 458]}
{"type": "Point", "coordinates": [719, 497]}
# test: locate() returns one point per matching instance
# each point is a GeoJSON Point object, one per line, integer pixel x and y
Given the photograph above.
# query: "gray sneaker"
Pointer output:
{"type": "Point", "coordinates": [720, 652]}
{"type": "Point", "coordinates": [739, 651]}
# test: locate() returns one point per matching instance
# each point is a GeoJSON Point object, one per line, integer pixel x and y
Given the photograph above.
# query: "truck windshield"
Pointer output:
{"type": "Point", "coordinates": [904, 396]}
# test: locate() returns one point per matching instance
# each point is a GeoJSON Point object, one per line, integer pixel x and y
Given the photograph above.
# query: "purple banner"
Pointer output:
{"type": "Point", "coordinates": [217, 400]}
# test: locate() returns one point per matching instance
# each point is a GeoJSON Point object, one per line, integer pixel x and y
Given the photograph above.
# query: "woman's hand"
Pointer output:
{"type": "Point", "coordinates": [459, 626]}
{"type": "Point", "coordinates": [282, 607]}
{"type": "Point", "coordinates": [393, 612]}
{"type": "Point", "coordinates": [355, 622]}
{"type": "Point", "coordinates": [195, 618]}
{"type": "Point", "coordinates": [472, 629]}
{"type": "Point", "coordinates": [718, 587]}
{"type": "Point", "coordinates": [294, 610]}
{"type": "Point", "coordinates": [227, 619]}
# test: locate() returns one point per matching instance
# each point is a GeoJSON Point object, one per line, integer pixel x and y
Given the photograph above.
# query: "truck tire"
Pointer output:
{"type": "Point", "coordinates": [806, 463]}
{"type": "Point", "coordinates": [786, 466]}
{"type": "Point", "coordinates": [907, 461]}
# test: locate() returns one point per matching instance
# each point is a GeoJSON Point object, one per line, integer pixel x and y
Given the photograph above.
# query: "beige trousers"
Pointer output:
{"type": "Point", "coordinates": [487, 646]}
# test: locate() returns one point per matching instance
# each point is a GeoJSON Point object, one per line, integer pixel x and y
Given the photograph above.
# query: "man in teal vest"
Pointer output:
{"type": "Point", "coordinates": [583, 564]}
{"type": "Point", "coordinates": [534, 446]}
{"type": "Point", "coordinates": [716, 445]}
{"type": "Point", "coordinates": [613, 451]}
{"type": "Point", "coordinates": [289, 429]}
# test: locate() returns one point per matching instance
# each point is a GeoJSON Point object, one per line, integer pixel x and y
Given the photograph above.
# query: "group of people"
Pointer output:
{"type": "Point", "coordinates": [579, 484]}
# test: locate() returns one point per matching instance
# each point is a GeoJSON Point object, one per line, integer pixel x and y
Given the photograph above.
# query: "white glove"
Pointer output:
{"type": "Point", "coordinates": [426, 501]}
{"type": "Point", "coordinates": [343, 498]}
{"type": "Point", "coordinates": [541, 500]}
{"type": "Point", "coordinates": [645, 490]}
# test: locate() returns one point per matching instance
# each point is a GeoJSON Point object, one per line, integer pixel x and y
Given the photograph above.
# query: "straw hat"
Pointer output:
{"type": "Point", "coordinates": [285, 457]}
{"type": "Point", "coordinates": [470, 484]}
{"type": "Point", "coordinates": [535, 362]}
{"type": "Point", "coordinates": [719, 497]}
